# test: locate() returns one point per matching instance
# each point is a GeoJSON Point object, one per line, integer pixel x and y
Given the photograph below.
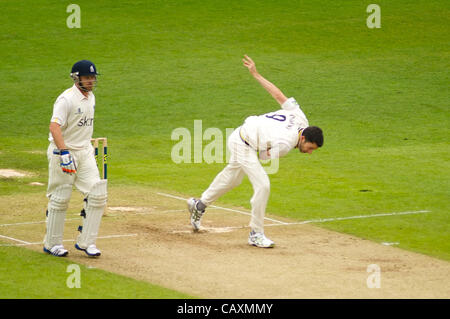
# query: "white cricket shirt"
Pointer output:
{"type": "Point", "coordinates": [277, 131]}
{"type": "Point", "coordinates": [75, 113]}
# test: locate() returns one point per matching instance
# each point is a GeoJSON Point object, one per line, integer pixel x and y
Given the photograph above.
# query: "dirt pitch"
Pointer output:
{"type": "Point", "coordinates": [147, 236]}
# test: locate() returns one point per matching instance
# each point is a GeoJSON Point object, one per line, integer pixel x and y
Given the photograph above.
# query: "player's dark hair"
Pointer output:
{"type": "Point", "coordinates": [313, 134]}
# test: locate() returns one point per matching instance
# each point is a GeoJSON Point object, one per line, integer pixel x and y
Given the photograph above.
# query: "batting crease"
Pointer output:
{"type": "Point", "coordinates": [223, 208]}
{"type": "Point", "coordinates": [278, 223]}
{"type": "Point", "coordinates": [320, 220]}
{"type": "Point", "coordinates": [323, 220]}
{"type": "Point", "coordinates": [25, 243]}
{"type": "Point", "coordinates": [33, 223]}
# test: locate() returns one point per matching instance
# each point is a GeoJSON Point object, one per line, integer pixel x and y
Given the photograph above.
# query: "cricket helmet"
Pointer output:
{"type": "Point", "coordinates": [83, 68]}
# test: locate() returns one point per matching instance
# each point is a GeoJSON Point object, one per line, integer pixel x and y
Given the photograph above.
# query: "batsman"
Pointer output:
{"type": "Point", "coordinates": [72, 162]}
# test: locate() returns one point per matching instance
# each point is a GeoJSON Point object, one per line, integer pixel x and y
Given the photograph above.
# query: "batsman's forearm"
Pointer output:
{"type": "Point", "coordinates": [58, 138]}
{"type": "Point", "coordinates": [271, 88]}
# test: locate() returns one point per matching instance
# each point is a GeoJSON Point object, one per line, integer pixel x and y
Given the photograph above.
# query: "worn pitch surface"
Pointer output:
{"type": "Point", "coordinates": [147, 236]}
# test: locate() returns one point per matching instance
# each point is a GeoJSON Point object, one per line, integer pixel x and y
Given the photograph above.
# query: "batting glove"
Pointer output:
{"type": "Point", "coordinates": [67, 163]}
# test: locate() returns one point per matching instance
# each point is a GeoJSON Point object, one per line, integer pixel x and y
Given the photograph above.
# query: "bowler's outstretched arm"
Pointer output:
{"type": "Point", "coordinates": [270, 87]}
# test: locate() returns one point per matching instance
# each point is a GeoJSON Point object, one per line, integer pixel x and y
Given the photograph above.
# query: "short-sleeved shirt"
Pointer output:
{"type": "Point", "coordinates": [278, 131]}
{"type": "Point", "coordinates": [75, 113]}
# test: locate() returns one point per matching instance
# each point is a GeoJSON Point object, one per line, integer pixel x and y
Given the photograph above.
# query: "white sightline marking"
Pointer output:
{"type": "Point", "coordinates": [223, 208]}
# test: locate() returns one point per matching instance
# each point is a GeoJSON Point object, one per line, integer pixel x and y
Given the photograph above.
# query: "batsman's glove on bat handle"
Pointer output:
{"type": "Point", "coordinates": [67, 163]}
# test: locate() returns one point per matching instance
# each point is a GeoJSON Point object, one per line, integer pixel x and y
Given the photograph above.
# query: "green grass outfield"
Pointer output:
{"type": "Point", "coordinates": [380, 95]}
{"type": "Point", "coordinates": [26, 274]}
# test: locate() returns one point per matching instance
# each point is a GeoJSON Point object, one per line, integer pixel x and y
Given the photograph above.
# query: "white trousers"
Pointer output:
{"type": "Point", "coordinates": [243, 161]}
{"type": "Point", "coordinates": [87, 171]}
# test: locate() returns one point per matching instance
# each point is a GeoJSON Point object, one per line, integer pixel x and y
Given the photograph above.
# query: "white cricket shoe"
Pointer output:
{"type": "Point", "coordinates": [91, 250]}
{"type": "Point", "coordinates": [259, 240]}
{"type": "Point", "coordinates": [196, 215]}
{"type": "Point", "coordinates": [57, 250]}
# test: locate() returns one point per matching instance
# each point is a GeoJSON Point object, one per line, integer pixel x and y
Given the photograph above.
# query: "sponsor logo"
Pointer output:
{"type": "Point", "coordinates": [86, 122]}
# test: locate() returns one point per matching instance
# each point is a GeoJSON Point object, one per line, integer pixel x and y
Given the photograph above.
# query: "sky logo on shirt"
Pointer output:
{"type": "Point", "coordinates": [86, 122]}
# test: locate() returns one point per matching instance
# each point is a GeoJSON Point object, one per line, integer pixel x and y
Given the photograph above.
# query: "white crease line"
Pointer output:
{"type": "Point", "coordinates": [224, 208]}
{"type": "Point", "coordinates": [249, 214]}
{"type": "Point", "coordinates": [31, 223]}
{"type": "Point", "coordinates": [117, 236]}
{"type": "Point", "coordinates": [14, 239]}
{"type": "Point", "coordinates": [323, 220]}
{"type": "Point", "coordinates": [172, 196]}
{"type": "Point", "coordinates": [25, 243]}
{"type": "Point", "coordinates": [161, 211]}
{"type": "Point", "coordinates": [212, 229]}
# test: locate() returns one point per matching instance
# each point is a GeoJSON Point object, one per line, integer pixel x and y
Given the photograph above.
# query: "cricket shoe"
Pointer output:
{"type": "Point", "coordinates": [196, 215]}
{"type": "Point", "coordinates": [57, 250]}
{"type": "Point", "coordinates": [91, 250]}
{"type": "Point", "coordinates": [259, 240]}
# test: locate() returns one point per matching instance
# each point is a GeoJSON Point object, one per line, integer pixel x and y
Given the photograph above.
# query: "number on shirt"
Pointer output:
{"type": "Point", "coordinates": [277, 117]}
